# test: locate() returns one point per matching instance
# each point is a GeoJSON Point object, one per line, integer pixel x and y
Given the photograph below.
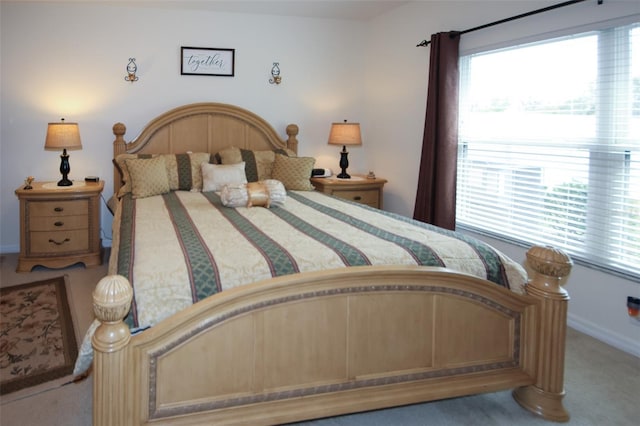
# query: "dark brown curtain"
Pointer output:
{"type": "Point", "coordinates": [436, 195]}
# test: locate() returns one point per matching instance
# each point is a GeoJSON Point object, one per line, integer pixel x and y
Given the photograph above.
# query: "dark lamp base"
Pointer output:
{"type": "Point", "coordinates": [344, 163]}
{"type": "Point", "coordinates": [65, 168]}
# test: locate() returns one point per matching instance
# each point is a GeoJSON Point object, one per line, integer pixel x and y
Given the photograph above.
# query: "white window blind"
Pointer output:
{"type": "Point", "coordinates": [549, 146]}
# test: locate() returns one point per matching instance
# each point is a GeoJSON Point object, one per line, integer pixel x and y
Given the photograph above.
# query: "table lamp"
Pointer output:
{"type": "Point", "coordinates": [345, 134]}
{"type": "Point", "coordinates": [63, 136]}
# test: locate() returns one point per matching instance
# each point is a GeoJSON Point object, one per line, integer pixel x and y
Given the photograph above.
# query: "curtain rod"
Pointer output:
{"type": "Point", "coordinates": [424, 43]}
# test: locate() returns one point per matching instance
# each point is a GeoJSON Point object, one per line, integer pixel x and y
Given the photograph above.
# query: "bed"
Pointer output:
{"type": "Point", "coordinates": [276, 328]}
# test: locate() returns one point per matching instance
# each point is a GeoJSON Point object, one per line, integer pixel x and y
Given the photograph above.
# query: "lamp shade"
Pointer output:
{"type": "Point", "coordinates": [62, 136]}
{"type": "Point", "coordinates": [345, 134]}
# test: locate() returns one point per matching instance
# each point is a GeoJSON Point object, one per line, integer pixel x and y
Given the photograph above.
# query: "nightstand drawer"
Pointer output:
{"type": "Point", "coordinates": [60, 223]}
{"type": "Point", "coordinates": [59, 208]}
{"type": "Point", "coordinates": [58, 242]}
{"type": "Point", "coordinates": [362, 197]}
{"type": "Point", "coordinates": [359, 189]}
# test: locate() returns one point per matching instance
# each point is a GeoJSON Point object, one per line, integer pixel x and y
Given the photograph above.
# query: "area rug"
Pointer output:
{"type": "Point", "coordinates": [37, 339]}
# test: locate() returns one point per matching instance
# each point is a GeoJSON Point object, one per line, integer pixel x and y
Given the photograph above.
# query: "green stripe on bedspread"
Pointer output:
{"type": "Point", "coordinates": [279, 260]}
{"type": "Point", "coordinates": [350, 255]}
{"type": "Point", "coordinates": [126, 231]}
{"type": "Point", "coordinates": [422, 253]}
{"type": "Point", "coordinates": [203, 272]}
{"type": "Point", "coordinates": [493, 264]}
{"type": "Point", "coordinates": [125, 252]}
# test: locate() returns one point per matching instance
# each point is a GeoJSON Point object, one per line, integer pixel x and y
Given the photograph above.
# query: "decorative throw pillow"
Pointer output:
{"type": "Point", "coordinates": [277, 192]}
{"type": "Point", "coordinates": [148, 176]}
{"type": "Point", "coordinates": [183, 170]}
{"type": "Point", "coordinates": [216, 176]}
{"type": "Point", "coordinates": [258, 164]}
{"type": "Point", "coordinates": [245, 194]}
{"type": "Point", "coordinates": [294, 172]}
{"type": "Point", "coordinates": [121, 163]}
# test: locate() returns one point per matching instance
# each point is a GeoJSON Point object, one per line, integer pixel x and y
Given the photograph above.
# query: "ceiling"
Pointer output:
{"type": "Point", "coordinates": [359, 10]}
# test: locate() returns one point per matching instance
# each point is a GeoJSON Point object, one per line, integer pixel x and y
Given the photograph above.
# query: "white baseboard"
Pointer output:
{"type": "Point", "coordinates": [607, 336]}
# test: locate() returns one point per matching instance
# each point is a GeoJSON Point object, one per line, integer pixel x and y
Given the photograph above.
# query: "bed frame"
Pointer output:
{"type": "Point", "coordinates": [324, 343]}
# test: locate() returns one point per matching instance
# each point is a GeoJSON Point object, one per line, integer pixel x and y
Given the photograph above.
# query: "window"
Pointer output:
{"type": "Point", "coordinates": [549, 148]}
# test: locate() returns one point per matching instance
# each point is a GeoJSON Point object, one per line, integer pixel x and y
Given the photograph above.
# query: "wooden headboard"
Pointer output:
{"type": "Point", "coordinates": [201, 127]}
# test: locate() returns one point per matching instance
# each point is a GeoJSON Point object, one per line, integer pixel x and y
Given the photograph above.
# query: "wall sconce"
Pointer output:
{"type": "Point", "coordinates": [132, 68]}
{"type": "Point", "coordinates": [275, 74]}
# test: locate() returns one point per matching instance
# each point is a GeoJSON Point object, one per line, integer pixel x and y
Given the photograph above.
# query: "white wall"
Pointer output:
{"type": "Point", "coordinates": [395, 98]}
{"type": "Point", "coordinates": [68, 60]}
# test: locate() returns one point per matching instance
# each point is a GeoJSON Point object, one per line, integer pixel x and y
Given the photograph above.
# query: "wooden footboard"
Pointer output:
{"type": "Point", "coordinates": [326, 343]}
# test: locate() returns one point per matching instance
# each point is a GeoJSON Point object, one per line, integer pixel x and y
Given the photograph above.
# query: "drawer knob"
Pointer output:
{"type": "Point", "coordinates": [59, 224]}
{"type": "Point", "coordinates": [58, 209]}
{"type": "Point", "coordinates": [357, 198]}
{"type": "Point", "coordinates": [59, 243]}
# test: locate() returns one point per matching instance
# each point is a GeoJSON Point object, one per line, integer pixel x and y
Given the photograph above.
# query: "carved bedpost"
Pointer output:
{"type": "Point", "coordinates": [119, 147]}
{"type": "Point", "coordinates": [549, 270]}
{"type": "Point", "coordinates": [111, 302]}
{"type": "Point", "coordinates": [292, 141]}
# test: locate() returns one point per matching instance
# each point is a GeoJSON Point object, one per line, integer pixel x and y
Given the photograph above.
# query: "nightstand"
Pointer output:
{"type": "Point", "coordinates": [359, 189]}
{"type": "Point", "coordinates": [59, 225]}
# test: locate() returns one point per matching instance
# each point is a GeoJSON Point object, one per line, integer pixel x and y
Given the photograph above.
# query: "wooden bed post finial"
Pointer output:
{"type": "Point", "coordinates": [119, 147]}
{"type": "Point", "coordinates": [119, 144]}
{"type": "Point", "coordinates": [552, 267]}
{"type": "Point", "coordinates": [292, 141]}
{"type": "Point", "coordinates": [111, 303]}
{"type": "Point", "coordinates": [549, 269]}
{"type": "Point", "coordinates": [119, 129]}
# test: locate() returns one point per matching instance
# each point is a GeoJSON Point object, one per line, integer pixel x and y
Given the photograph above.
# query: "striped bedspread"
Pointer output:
{"type": "Point", "coordinates": [181, 247]}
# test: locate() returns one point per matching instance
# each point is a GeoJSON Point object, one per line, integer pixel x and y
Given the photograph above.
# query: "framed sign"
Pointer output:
{"type": "Point", "coordinates": [207, 61]}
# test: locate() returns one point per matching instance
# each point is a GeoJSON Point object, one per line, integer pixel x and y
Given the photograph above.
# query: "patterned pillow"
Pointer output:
{"type": "Point", "coordinates": [294, 172]}
{"type": "Point", "coordinates": [121, 163]}
{"type": "Point", "coordinates": [258, 164]}
{"type": "Point", "coordinates": [183, 170]}
{"type": "Point", "coordinates": [216, 176]}
{"type": "Point", "coordinates": [189, 170]}
{"type": "Point", "coordinates": [148, 176]}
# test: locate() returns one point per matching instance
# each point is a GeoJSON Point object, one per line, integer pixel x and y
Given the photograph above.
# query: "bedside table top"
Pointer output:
{"type": "Point", "coordinates": [355, 180]}
{"type": "Point", "coordinates": [48, 188]}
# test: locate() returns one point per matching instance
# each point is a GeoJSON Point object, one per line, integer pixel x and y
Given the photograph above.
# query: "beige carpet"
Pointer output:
{"type": "Point", "coordinates": [602, 383]}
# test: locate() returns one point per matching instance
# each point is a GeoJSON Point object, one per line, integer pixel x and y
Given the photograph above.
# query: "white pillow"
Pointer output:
{"type": "Point", "coordinates": [216, 176]}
